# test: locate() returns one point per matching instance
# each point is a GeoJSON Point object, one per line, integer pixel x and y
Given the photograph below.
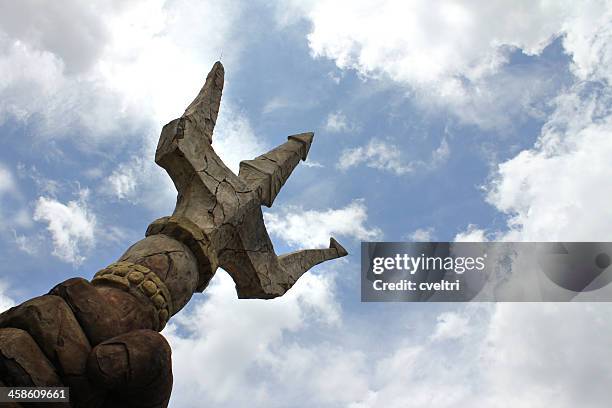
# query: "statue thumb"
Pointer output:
{"type": "Point", "coordinates": [136, 367]}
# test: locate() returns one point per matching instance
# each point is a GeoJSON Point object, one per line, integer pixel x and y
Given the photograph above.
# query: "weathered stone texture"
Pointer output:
{"type": "Point", "coordinates": [22, 362]}
{"type": "Point", "coordinates": [104, 312]}
{"type": "Point", "coordinates": [135, 368]}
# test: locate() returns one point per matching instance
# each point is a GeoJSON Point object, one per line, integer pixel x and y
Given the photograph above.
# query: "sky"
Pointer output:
{"type": "Point", "coordinates": [445, 120]}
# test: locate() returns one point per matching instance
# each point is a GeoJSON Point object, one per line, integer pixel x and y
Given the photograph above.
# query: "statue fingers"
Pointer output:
{"type": "Point", "coordinates": [104, 311]}
{"type": "Point", "coordinates": [49, 321]}
{"type": "Point", "coordinates": [22, 363]}
{"type": "Point", "coordinates": [136, 369]}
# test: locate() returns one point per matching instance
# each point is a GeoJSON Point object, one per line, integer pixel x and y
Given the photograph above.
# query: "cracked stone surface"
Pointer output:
{"type": "Point", "coordinates": [172, 262]}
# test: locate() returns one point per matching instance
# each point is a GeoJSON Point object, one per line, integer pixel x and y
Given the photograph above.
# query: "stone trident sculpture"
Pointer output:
{"type": "Point", "coordinates": [100, 338]}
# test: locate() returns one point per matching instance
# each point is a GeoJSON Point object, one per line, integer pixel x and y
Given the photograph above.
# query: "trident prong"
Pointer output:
{"type": "Point", "coordinates": [218, 214]}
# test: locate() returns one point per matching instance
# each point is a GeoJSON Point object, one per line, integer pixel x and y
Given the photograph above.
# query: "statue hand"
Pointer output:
{"type": "Point", "coordinates": [84, 337]}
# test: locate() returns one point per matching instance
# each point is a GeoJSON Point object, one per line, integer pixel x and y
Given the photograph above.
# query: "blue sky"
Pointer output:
{"type": "Point", "coordinates": [452, 120]}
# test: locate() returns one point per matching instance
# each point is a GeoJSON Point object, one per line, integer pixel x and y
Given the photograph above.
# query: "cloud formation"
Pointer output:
{"type": "Point", "coordinates": [7, 182]}
{"type": "Point", "coordinates": [476, 355]}
{"type": "Point", "coordinates": [303, 228]}
{"type": "Point", "coordinates": [6, 301]}
{"type": "Point", "coordinates": [221, 342]}
{"type": "Point", "coordinates": [377, 154]}
{"type": "Point", "coordinates": [381, 155]}
{"type": "Point", "coordinates": [557, 189]}
{"type": "Point", "coordinates": [337, 122]}
{"type": "Point", "coordinates": [421, 235]}
{"type": "Point", "coordinates": [93, 76]}
{"type": "Point", "coordinates": [453, 54]}
{"type": "Point", "coordinates": [71, 225]}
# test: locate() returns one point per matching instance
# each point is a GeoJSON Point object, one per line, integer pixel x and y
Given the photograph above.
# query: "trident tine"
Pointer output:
{"type": "Point", "coordinates": [268, 173]}
{"type": "Point", "coordinates": [204, 109]}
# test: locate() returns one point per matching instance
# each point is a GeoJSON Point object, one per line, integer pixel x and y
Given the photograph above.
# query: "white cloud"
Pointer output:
{"type": "Point", "coordinates": [312, 163]}
{"type": "Point", "coordinates": [376, 154]}
{"type": "Point", "coordinates": [7, 181]}
{"type": "Point", "coordinates": [451, 325]}
{"type": "Point", "coordinates": [122, 182]}
{"type": "Point", "coordinates": [31, 245]}
{"type": "Point", "coordinates": [477, 355]}
{"type": "Point", "coordinates": [276, 103]}
{"type": "Point", "coordinates": [9, 191]}
{"type": "Point", "coordinates": [417, 43]}
{"type": "Point", "coordinates": [471, 234]}
{"type": "Point", "coordinates": [267, 350]}
{"type": "Point", "coordinates": [312, 229]}
{"type": "Point", "coordinates": [336, 77]}
{"type": "Point", "coordinates": [35, 88]}
{"type": "Point", "coordinates": [44, 185]}
{"type": "Point", "coordinates": [7, 185]}
{"type": "Point", "coordinates": [587, 40]}
{"type": "Point", "coordinates": [556, 191]}
{"type": "Point", "coordinates": [23, 218]}
{"type": "Point", "coordinates": [380, 155]}
{"type": "Point", "coordinates": [337, 123]}
{"type": "Point", "coordinates": [72, 226]}
{"type": "Point", "coordinates": [222, 341]}
{"type": "Point", "coordinates": [421, 235]}
{"type": "Point", "coordinates": [534, 361]}
{"type": "Point", "coordinates": [93, 76]}
{"type": "Point", "coordinates": [72, 31]}
{"type": "Point", "coordinates": [441, 154]}
{"type": "Point", "coordinates": [6, 301]}
{"type": "Point", "coordinates": [508, 355]}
